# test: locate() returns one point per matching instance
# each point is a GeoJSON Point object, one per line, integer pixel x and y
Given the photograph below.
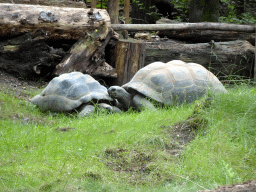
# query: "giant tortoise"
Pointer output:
{"type": "Point", "coordinates": [166, 83]}
{"type": "Point", "coordinates": [74, 91]}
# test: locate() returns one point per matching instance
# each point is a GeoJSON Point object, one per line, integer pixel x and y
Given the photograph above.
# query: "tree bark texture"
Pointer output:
{"type": "Point", "coordinates": [113, 10]}
{"type": "Point", "coordinates": [88, 54]}
{"type": "Point", "coordinates": [57, 22]}
{"type": "Point", "coordinates": [128, 59]}
{"type": "Point", "coordinates": [94, 3]}
{"type": "Point", "coordinates": [224, 59]}
{"type": "Point", "coordinates": [185, 26]}
{"type": "Point", "coordinates": [33, 33]}
{"type": "Point", "coordinates": [28, 56]}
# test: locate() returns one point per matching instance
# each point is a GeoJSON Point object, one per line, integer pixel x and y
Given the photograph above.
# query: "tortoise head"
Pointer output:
{"type": "Point", "coordinates": [121, 95]}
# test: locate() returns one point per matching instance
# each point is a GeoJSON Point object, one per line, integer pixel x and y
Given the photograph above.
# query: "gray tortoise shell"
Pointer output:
{"type": "Point", "coordinates": [69, 91]}
{"type": "Point", "coordinates": [174, 81]}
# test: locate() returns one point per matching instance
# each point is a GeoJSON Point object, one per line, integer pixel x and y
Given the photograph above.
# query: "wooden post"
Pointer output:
{"type": "Point", "coordinates": [94, 3]}
{"type": "Point", "coordinates": [113, 10]}
{"type": "Point", "coordinates": [129, 58]}
{"type": "Point", "coordinates": [127, 11]}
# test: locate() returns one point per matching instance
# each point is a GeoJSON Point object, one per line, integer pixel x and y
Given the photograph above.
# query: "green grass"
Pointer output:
{"type": "Point", "coordinates": [127, 151]}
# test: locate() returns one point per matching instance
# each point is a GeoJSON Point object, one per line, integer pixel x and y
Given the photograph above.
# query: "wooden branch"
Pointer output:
{"type": "Point", "coordinates": [184, 26]}
{"type": "Point", "coordinates": [57, 22]}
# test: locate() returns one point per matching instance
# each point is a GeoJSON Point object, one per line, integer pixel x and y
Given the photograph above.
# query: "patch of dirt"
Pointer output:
{"type": "Point", "coordinates": [185, 131]}
{"type": "Point", "coordinates": [18, 88]}
{"type": "Point", "coordinates": [26, 119]}
{"type": "Point", "coordinates": [122, 160]}
{"type": "Point", "coordinates": [247, 186]}
{"type": "Point", "coordinates": [64, 129]}
{"type": "Point", "coordinates": [137, 163]}
{"type": "Point", "coordinates": [93, 176]}
{"type": "Point", "coordinates": [18, 85]}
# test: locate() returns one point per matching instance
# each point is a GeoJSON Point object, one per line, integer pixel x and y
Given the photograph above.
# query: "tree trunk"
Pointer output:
{"type": "Point", "coordinates": [94, 3]}
{"type": "Point", "coordinates": [224, 59]}
{"type": "Point", "coordinates": [113, 10]}
{"type": "Point", "coordinates": [204, 10]}
{"type": "Point", "coordinates": [56, 22]}
{"type": "Point", "coordinates": [128, 59]}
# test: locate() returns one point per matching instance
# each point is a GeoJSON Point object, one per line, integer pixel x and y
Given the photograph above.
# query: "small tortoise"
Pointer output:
{"type": "Point", "coordinates": [74, 91]}
{"type": "Point", "coordinates": [166, 83]}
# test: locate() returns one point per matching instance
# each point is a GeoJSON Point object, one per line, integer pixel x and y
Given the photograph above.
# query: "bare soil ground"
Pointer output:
{"type": "Point", "coordinates": [18, 85]}
{"type": "Point", "coordinates": [247, 186]}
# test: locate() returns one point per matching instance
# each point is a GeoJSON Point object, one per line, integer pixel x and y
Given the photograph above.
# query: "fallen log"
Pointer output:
{"type": "Point", "coordinates": [225, 59]}
{"type": "Point", "coordinates": [185, 26]}
{"type": "Point", "coordinates": [28, 56]}
{"type": "Point", "coordinates": [202, 36]}
{"type": "Point", "coordinates": [36, 53]}
{"type": "Point", "coordinates": [57, 22]}
{"type": "Point", "coordinates": [59, 3]}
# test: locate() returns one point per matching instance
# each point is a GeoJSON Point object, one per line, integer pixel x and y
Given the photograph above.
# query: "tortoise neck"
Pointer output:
{"type": "Point", "coordinates": [126, 100]}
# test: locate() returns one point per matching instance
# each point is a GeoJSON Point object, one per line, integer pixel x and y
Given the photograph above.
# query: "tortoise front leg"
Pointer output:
{"type": "Point", "coordinates": [87, 111]}
{"type": "Point", "coordinates": [142, 103]}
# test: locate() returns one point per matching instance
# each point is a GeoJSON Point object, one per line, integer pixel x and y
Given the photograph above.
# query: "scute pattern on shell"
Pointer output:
{"type": "Point", "coordinates": [174, 81]}
{"type": "Point", "coordinates": [69, 91]}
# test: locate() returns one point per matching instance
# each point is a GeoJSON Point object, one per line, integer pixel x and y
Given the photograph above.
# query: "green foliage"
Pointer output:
{"type": "Point", "coordinates": [152, 11]}
{"type": "Point", "coordinates": [227, 12]}
{"type": "Point", "coordinates": [230, 15]}
{"type": "Point", "coordinates": [182, 7]}
{"type": "Point", "coordinates": [245, 18]}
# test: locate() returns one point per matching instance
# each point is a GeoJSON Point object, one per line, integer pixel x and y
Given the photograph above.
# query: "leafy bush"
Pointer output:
{"type": "Point", "coordinates": [228, 14]}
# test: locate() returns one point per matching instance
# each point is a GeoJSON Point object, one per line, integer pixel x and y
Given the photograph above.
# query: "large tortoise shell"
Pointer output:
{"type": "Point", "coordinates": [69, 91]}
{"type": "Point", "coordinates": [175, 81]}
